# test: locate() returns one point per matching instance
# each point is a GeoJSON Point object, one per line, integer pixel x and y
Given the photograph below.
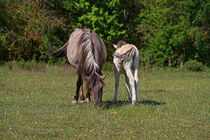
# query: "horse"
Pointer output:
{"type": "Point", "coordinates": [86, 52]}
{"type": "Point", "coordinates": [126, 60]}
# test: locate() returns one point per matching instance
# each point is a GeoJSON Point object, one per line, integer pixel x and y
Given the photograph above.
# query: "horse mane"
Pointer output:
{"type": "Point", "coordinates": [90, 68]}
{"type": "Point", "coordinates": [88, 58]}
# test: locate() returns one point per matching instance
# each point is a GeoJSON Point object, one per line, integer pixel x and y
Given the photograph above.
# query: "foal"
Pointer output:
{"type": "Point", "coordinates": [126, 60]}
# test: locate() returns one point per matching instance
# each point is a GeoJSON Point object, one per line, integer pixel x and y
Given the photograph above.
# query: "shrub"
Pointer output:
{"type": "Point", "coordinates": [193, 65]}
{"type": "Point", "coordinates": [108, 66]}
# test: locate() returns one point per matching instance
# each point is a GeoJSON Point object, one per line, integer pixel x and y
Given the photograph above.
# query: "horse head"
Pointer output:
{"type": "Point", "coordinates": [95, 85]}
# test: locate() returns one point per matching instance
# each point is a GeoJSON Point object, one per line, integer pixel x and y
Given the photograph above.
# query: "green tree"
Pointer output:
{"type": "Point", "coordinates": [167, 32]}
{"type": "Point", "coordinates": [174, 31]}
{"type": "Point", "coordinates": [27, 30]}
{"type": "Point", "coordinates": [113, 20]}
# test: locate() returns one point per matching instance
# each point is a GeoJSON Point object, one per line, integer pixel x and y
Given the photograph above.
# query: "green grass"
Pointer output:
{"type": "Point", "coordinates": [36, 104]}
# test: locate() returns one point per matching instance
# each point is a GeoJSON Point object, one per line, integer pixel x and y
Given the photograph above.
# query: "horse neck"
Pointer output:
{"type": "Point", "coordinates": [92, 70]}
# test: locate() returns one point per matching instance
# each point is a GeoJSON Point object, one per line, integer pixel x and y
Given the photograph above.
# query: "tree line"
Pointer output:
{"type": "Point", "coordinates": [166, 32]}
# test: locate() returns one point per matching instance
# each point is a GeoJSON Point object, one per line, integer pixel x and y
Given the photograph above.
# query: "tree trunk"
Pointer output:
{"type": "Point", "coordinates": [181, 65]}
{"type": "Point", "coordinates": [169, 62]}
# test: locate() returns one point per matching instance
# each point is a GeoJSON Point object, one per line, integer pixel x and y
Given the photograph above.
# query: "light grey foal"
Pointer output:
{"type": "Point", "coordinates": [126, 60]}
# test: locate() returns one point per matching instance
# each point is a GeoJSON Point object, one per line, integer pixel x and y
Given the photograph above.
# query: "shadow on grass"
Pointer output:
{"type": "Point", "coordinates": [111, 104]}
{"type": "Point", "coordinates": [151, 102]}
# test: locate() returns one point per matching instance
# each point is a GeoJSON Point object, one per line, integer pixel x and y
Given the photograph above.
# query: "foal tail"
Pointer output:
{"type": "Point", "coordinates": [60, 52]}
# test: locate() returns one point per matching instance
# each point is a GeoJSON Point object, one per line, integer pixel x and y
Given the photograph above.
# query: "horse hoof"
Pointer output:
{"type": "Point", "coordinates": [82, 101]}
{"type": "Point", "coordinates": [74, 101]}
{"type": "Point", "coordinates": [114, 101]}
{"type": "Point", "coordinates": [133, 102]}
{"type": "Point", "coordinates": [87, 100]}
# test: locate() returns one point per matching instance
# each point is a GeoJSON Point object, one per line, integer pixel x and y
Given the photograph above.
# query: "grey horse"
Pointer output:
{"type": "Point", "coordinates": [86, 52]}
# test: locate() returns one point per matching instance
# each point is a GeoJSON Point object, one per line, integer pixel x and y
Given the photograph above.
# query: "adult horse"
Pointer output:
{"type": "Point", "coordinates": [86, 52]}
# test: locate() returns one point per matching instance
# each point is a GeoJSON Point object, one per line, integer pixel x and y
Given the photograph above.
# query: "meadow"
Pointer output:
{"type": "Point", "coordinates": [35, 103]}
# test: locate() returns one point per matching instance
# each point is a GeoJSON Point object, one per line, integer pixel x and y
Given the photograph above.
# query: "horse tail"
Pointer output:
{"type": "Point", "coordinates": [136, 57]}
{"type": "Point", "coordinates": [60, 52]}
{"type": "Point", "coordinates": [133, 54]}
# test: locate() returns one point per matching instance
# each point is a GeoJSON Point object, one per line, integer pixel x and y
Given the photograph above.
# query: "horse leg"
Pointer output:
{"type": "Point", "coordinates": [117, 78]}
{"type": "Point", "coordinates": [132, 82]}
{"type": "Point", "coordinates": [88, 96]}
{"type": "Point", "coordinates": [136, 72]}
{"type": "Point", "coordinates": [82, 97]}
{"type": "Point", "coordinates": [76, 96]}
{"type": "Point", "coordinates": [127, 85]}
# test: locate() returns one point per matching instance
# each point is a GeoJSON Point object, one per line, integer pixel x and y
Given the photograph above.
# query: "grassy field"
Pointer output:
{"type": "Point", "coordinates": [36, 104]}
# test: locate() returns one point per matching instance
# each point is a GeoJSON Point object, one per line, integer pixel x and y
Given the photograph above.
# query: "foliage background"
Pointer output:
{"type": "Point", "coordinates": [167, 32]}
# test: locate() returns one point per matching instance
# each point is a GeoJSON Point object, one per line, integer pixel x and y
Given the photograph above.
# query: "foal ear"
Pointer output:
{"type": "Point", "coordinates": [103, 77]}
{"type": "Point", "coordinates": [115, 46]}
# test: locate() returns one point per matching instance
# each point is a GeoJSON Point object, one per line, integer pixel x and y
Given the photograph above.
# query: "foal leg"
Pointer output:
{"type": "Point", "coordinates": [117, 78]}
{"type": "Point", "coordinates": [136, 72]}
{"type": "Point", "coordinates": [136, 81]}
{"type": "Point", "coordinates": [76, 96]}
{"type": "Point", "coordinates": [127, 85]}
{"type": "Point", "coordinates": [132, 82]}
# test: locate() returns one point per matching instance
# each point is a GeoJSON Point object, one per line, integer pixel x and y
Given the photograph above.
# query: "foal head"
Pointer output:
{"type": "Point", "coordinates": [95, 86]}
{"type": "Point", "coordinates": [119, 44]}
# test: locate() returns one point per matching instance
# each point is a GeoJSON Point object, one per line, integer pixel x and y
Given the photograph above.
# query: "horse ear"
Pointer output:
{"type": "Point", "coordinates": [103, 77]}
{"type": "Point", "coordinates": [115, 46]}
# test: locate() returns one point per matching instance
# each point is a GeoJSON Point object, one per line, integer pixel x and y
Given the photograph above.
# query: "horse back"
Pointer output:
{"type": "Point", "coordinates": [76, 47]}
{"type": "Point", "coordinates": [126, 48]}
{"type": "Point", "coordinates": [99, 49]}
{"type": "Point", "coordinates": [125, 54]}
